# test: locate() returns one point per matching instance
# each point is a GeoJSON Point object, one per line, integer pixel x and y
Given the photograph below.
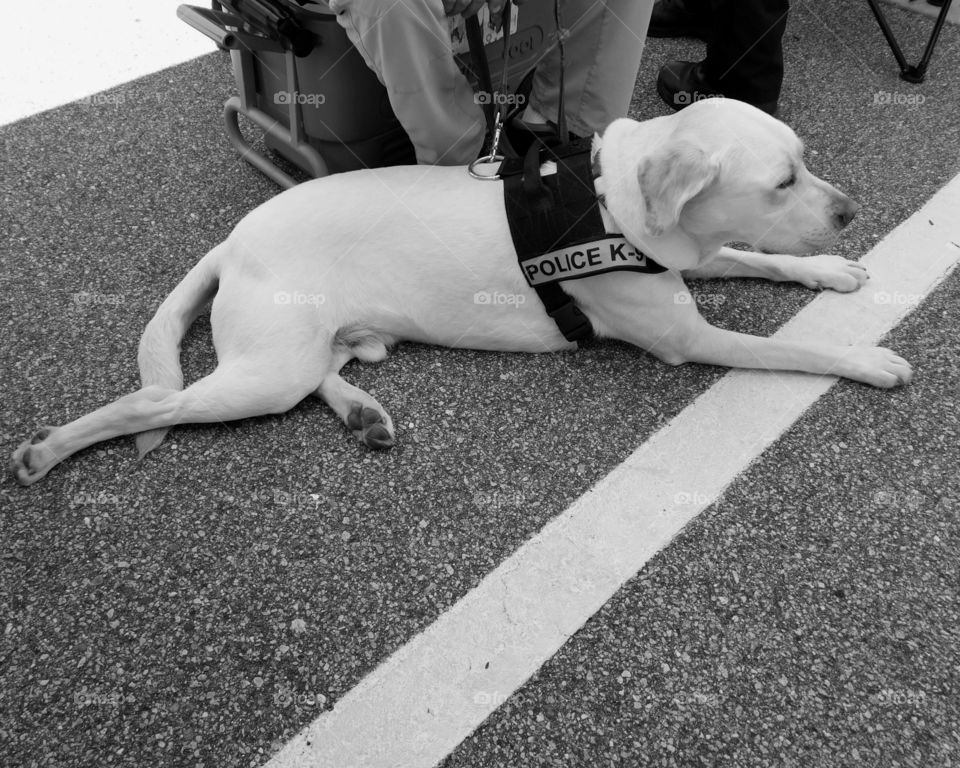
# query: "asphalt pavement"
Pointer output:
{"type": "Point", "coordinates": [197, 608]}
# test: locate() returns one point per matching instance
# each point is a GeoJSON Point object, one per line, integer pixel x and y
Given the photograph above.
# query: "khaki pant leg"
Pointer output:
{"type": "Point", "coordinates": [602, 55]}
{"type": "Point", "coordinates": [407, 44]}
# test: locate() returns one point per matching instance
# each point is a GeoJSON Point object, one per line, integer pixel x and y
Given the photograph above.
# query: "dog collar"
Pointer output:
{"type": "Point", "coordinates": [558, 231]}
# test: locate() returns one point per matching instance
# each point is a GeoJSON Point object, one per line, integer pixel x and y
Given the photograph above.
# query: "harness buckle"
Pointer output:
{"type": "Point", "coordinates": [573, 324]}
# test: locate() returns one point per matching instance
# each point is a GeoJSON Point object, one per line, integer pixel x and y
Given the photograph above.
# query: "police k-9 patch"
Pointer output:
{"type": "Point", "coordinates": [591, 258]}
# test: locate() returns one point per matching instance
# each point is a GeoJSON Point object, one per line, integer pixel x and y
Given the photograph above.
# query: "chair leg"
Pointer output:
{"type": "Point", "coordinates": [909, 72]}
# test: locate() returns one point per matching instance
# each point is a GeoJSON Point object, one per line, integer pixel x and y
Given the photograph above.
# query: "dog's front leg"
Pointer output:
{"type": "Point", "coordinates": [820, 271]}
{"type": "Point", "coordinates": [658, 314]}
{"type": "Point", "coordinates": [878, 366]}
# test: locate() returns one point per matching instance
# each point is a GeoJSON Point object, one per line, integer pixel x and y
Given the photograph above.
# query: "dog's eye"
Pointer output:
{"type": "Point", "coordinates": [789, 182]}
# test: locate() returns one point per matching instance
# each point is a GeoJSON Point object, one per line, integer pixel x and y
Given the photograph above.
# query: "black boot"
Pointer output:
{"type": "Point", "coordinates": [681, 83]}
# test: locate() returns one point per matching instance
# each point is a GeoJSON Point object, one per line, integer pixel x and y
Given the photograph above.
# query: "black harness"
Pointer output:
{"type": "Point", "coordinates": [558, 231]}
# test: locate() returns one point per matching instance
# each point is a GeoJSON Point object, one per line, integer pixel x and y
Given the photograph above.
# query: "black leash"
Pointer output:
{"type": "Point", "coordinates": [496, 114]}
{"type": "Point", "coordinates": [561, 113]}
{"type": "Point", "coordinates": [495, 110]}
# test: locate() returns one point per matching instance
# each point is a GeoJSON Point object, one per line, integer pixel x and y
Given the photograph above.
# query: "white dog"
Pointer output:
{"type": "Point", "coordinates": [344, 267]}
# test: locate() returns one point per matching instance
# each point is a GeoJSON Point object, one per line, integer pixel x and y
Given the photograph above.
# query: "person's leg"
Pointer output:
{"type": "Point", "coordinates": [744, 57]}
{"type": "Point", "coordinates": [407, 44]}
{"type": "Point", "coordinates": [745, 53]}
{"type": "Point", "coordinates": [602, 55]}
{"type": "Point", "coordinates": [681, 18]}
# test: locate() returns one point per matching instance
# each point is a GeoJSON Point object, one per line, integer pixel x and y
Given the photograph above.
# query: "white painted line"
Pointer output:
{"type": "Point", "coordinates": [57, 51]}
{"type": "Point", "coordinates": [424, 700]}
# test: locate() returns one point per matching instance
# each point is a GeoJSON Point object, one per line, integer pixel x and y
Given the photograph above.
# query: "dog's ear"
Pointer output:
{"type": "Point", "coordinates": [669, 179]}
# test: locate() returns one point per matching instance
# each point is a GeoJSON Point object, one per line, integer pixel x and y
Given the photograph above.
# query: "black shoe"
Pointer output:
{"type": "Point", "coordinates": [681, 83]}
{"type": "Point", "coordinates": [672, 18]}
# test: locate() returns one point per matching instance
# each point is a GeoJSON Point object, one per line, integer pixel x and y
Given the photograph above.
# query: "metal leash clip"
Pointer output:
{"type": "Point", "coordinates": [493, 157]}
{"type": "Point", "coordinates": [478, 53]}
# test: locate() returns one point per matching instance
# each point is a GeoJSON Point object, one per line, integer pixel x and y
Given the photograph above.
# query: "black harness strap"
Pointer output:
{"type": "Point", "coordinates": [553, 212]}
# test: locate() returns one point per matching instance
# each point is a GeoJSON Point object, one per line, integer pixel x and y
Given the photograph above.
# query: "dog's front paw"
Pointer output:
{"type": "Point", "coordinates": [878, 366]}
{"type": "Point", "coordinates": [371, 427]}
{"type": "Point", "coordinates": [33, 459]}
{"type": "Point", "coordinates": [828, 271]}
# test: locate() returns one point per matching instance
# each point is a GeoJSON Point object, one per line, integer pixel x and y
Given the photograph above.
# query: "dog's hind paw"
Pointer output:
{"type": "Point", "coordinates": [371, 427]}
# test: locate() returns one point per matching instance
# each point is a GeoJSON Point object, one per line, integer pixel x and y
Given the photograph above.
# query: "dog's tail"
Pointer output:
{"type": "Point", "coordinates": [159, 353]}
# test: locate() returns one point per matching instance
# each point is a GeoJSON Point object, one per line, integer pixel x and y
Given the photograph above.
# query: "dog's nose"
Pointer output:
{"type": "Point", "coordinates": [845, 212]}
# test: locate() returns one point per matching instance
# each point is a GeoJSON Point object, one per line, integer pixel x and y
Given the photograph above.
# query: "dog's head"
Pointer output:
{"type": "Point", "coordinates": [722, 171]}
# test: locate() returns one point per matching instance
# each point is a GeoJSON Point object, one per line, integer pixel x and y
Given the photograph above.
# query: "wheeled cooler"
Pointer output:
{"type": "Point", "coordinates": [320, 107]}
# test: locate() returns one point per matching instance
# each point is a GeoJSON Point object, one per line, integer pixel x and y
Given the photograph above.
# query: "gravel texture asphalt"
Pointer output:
{"type": "Point", "coordinates": [809, 618]}
{"type": "Point", "coordinates": [199, 607]}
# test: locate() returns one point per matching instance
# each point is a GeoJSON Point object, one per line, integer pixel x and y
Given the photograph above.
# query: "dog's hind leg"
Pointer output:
{"type": "Point", "coordinates": [235, 390]}
{"type": "Point", "coordinates": [362, 414]}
